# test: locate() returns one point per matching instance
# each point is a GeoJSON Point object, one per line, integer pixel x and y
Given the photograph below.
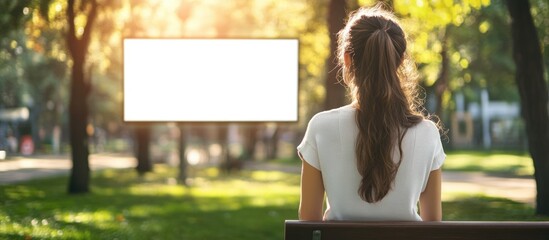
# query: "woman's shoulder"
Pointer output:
{"type": "Point", "coordinates": [427, 127]}
{"type": "Point", "coordinates": [332, 114]}
{"type": "Point", "coordinates": [331, 117]}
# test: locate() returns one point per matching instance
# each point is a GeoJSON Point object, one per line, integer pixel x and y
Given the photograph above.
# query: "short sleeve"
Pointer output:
{"type": "Point", "coordinates": [439, 155]}
{"type": "Point", "coordinates": [438, 151]}
{"type": "Point", "coordinates": [308, 147]}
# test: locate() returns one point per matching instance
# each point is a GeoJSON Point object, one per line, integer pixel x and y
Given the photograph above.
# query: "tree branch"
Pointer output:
{"type": "Point", "coordinates": [71, 35]}
{"type": "Point", "coordinates": [87, 29]}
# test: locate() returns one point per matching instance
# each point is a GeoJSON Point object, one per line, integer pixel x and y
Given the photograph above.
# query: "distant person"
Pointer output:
{"type": "Point", "coordinates": [12, 142]}
{"type": "Point", "coordinates": [377, 157]}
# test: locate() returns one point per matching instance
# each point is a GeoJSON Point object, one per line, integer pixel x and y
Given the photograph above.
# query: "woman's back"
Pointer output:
{"type": "Point", "coordinates": [329, 146]}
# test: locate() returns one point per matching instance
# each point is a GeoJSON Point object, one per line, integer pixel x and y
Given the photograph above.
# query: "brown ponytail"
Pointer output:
{"type": "Point", "coordinates": [383, 96]}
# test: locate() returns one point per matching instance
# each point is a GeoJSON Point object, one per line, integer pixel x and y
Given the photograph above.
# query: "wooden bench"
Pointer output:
{"type": "Point", "coordinates": [306, 230]}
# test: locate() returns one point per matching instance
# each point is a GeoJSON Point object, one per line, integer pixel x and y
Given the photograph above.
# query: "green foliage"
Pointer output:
{"type": "Point", "coordinates": [540, 13]}
{"type": "Point", "coordinates": [26, 63]}
{"type": "Point", "coordinates": [478, 45]}
{"type": "Point", "coordinates": [426, 23]}
{"type": "Point", "coordinates": [483, 40]}
{"type": "Point", "coordinates": [33, 69]}
{"type": "Point", "coordinates": [13, 14]}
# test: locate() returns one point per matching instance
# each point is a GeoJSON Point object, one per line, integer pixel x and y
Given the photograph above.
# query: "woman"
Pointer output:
{"type": "Point", "coordinates": [376, 158]}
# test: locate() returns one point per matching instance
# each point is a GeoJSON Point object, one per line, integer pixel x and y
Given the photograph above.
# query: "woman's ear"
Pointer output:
{"type": "Point", "coordinates": [347, 59]}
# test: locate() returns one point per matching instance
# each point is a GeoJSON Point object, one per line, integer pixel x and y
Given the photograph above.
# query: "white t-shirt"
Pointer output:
{"type": "Point", "coordinates": [329, 146]}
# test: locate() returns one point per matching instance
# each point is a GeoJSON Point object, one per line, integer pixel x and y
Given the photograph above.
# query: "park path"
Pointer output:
{"type": "Point", "coordinates": [19, 169]}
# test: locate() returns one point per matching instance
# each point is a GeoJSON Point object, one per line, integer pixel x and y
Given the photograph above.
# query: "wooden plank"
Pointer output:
{"type": "Point", "coordinates": [303, 230]}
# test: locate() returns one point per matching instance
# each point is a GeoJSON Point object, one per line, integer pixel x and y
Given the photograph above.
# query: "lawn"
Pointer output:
{"type": "Point", "coordinates": [248, 205]}
{"type": "Point", "coordinates": [245, 205]}
{"type": "Point", "coordinates": [500, 163]}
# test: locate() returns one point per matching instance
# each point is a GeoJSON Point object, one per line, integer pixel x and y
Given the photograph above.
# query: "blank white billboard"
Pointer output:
{"type": "Point", "coordinates": [210, 80]}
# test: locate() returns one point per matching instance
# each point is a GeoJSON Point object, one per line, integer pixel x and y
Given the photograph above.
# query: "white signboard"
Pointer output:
{"type": "Point", "coordinates": [210, 80]}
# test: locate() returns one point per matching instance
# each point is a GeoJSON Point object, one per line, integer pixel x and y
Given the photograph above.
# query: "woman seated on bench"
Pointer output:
{"type": "Point", "coordinates": [377, 157]}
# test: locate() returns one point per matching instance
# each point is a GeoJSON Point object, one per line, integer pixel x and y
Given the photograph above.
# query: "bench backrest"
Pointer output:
{"type": "Point", "coordinates": [307, 230]}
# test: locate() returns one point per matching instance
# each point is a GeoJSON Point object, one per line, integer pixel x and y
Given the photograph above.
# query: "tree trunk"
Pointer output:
{"type": "Point", "coordinates": [223, 139]}
{"type": "Point", "coordinates": [78, 106]}
{"type": "Point", "coordinates": [250, 140]}
{"type": "Point", "coordinates": [335, 90]}
{"type": "Point", "coordinates": [533, 94]}
{"type": "Point", "coordinates": [182, 159]}
{"type": "Point", "coordinates": [78, 116]}
{"type": "Point", "coordinates": [35, 112]}
{"type": "Point", "coordinates": [271, 145]}
{"type": "Point", "coordinates": [144, 164]}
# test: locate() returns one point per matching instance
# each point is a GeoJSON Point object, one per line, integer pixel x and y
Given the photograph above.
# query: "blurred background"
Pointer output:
{"type": "Point", "coordinates": [61, 80]}
{"type": "Point", "coordinates": [463, 52]}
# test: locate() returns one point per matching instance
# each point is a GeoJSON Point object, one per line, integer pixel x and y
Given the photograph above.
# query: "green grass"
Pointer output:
{"type": "Point", "coordinates": [250, 205]}
{"type": "Point", "coordinates": [500, 163]}
{"type": "Point", "coordinates": [469, 207]}
{"type": "Point", "coordinates": [246, 205]}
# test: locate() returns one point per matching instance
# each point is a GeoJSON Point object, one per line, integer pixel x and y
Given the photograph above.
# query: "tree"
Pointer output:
{"type": "Point", "coordinates": [142, 137]}
{"type": "Point", "coordinates": [335, 91]}
{"type": "Point", "coordinates": [429, 25]}
{"type": "Point", "coordinates": [80, 90]}
{"type": "Point", "coordinates": [479, 57]}
{"type": "Point", "coordinates": [533, 94]}
{"type": "Point", "coordinates": [31, 74]}
{"type": "Point", "coordinates": [78, 42]}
